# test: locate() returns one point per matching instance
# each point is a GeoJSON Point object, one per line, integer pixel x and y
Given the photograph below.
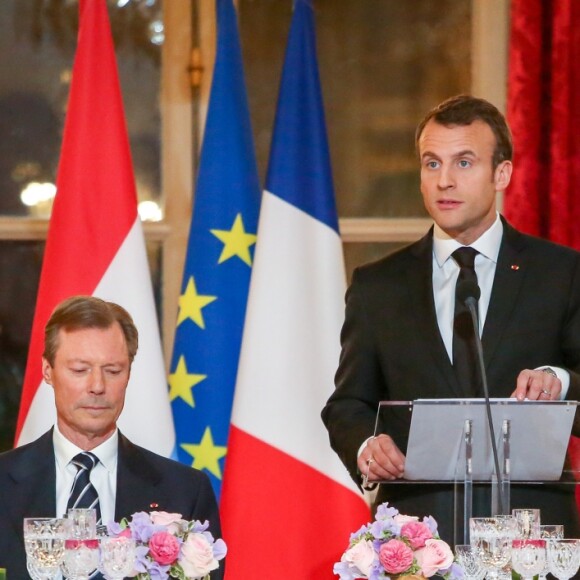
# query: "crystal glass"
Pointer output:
{"type": "Point", "coordinates": [81, 554]}
{"type": "Point", "coordinates": [492, 540]}
{"type": "Point", "coordinates": [469, 561]}
{"type": "Point", "coordinates": [82, 523]}
{"type": "Point", "coordinates": [563, 558]}
{"type": "Point", "coordinates": [550, 532]}
{"type": "Point", "coordinates": [528, 557]}
{"type": "Point", "coordinates": [117, 557]}
{"type": "Point", "coordinates": [44, 544]}
{"type": "Point", "coordinates": [528, 521]}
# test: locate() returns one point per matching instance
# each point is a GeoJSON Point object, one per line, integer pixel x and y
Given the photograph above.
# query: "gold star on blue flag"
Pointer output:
{"type": "Point", "coordinates": [216, 276]}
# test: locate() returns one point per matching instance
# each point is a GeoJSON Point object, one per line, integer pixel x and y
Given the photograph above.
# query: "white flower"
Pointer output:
{"type": "Point", "coordinates": [361, 555]}
{"type": "Point", "coordinates": [197, 558]}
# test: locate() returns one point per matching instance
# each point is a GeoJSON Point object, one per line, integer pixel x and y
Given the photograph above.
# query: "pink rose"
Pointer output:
{"type": "Point", "coordinates": [395, 556]}
{"type": "Point", "coordinates": [401, 519]}
{"type": "Point", "coordinates": [417, 533]}
{"type": "Point", "coordinates": [163, 548]}
{"type": "Point", "coordinates": [173, 522]}
{"type": "Point", "coordinates": [360, 555]}
{"type": "Point", "coordinates": [197, 557]}
{"type": "Point", "coordinates": [435, 556]}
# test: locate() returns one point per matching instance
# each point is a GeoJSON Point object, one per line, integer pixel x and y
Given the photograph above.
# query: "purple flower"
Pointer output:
{"type": "Point", "coordinates": [141, 560]}
{"type": "Point", "coordinates": [142, 528]}
{"type": "Point", "coordinates": [114, 529]}
{"type": "Point", "coordinates": [359, 534]}
{"type": "Point", "coordinates": [377, 572]}
{"type": "Point", "coordinates": [346, 571]}
{"type": "Point", "coordinates": [198, 527]}
{"type": "Point", "coordinates": [381, 529]}
{"type": "Point", "coordinates": [454, 572]}
{"type": "Point", "coordinates": [385, 512]}
{"type": "Point", "coordinates": [158, 572]}
{"type": "Point", "coordinates": [430, 522]}
{"type": "Point", "coordinates": [145, 565]}
{"type": "Point", "coordinates": [219, 549]}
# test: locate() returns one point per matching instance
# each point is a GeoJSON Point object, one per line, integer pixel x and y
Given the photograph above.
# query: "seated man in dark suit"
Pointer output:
{"type": "Point", "coordinates": [89, 347]}
{"type": "Point", "coordinates": [402, 340]}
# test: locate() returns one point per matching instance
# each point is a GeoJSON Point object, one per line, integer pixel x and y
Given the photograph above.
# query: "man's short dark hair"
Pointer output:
{"type": "Point", "coordinates": [80, 312]}
{"type": "Point", "coordinates": [463, 110]}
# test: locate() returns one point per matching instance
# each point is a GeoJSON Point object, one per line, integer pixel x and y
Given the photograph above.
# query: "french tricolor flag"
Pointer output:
{"type": "Point", "coordinates": [288, 505]}
{"type": "Point", "coordinates": [95, 242]}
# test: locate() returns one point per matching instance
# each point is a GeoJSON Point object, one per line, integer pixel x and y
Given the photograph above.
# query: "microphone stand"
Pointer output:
{"type": "Point", "coordinates": [471, 302]}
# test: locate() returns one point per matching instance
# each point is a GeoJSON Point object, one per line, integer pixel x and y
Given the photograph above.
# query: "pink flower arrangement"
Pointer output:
{"type": "Point", "coordinates": [395, 546]}
{"type": "Point", "coordinates": [169, 546]}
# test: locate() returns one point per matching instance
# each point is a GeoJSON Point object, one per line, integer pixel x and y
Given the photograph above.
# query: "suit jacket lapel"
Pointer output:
{"type": "Point", "coordinates": [32, 483]}
{"type": "Point", "coordinates": [420, 276]}
{"type": "Point", "coordinates": [135, 479]}
{"type": "Point", "coordinates": [509, 275]}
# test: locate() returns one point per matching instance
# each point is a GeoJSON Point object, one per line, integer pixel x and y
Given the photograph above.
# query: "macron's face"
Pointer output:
{"type": "Point", "coordinates": [458, 182]}
{"type": "Point", "coordinates": [89, 377]}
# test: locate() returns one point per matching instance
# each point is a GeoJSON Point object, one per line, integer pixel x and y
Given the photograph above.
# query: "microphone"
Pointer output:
{"type": "Point", "coordinates": [468, 292]}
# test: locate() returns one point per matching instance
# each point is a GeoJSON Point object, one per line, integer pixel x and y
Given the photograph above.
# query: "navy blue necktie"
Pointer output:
{"type": "Point", "coordinates": [83, 493]}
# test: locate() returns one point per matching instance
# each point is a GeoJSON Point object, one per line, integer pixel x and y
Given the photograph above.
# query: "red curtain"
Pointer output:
{"type": "Point", "coordinates": [544, 114]}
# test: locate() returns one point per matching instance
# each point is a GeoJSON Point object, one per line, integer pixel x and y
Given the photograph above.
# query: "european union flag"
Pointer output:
{"type": "Point", "coordinates": [217, 270]}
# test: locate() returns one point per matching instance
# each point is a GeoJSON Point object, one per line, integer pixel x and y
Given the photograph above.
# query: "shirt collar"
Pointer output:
{"type": "Point", "coordinates": [65, 450]}
{"type": "Point", "coordinates": [487, 244]}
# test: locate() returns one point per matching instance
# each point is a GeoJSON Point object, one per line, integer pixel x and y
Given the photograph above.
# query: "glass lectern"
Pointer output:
{"type": "Point", "coordinates": [449, 441]}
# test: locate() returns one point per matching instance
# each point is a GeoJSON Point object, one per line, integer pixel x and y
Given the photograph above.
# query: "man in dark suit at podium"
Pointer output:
{"type": "Point", "coordinates": [402, 337]}
{"type": "Point", "coordinates": [89, 347]}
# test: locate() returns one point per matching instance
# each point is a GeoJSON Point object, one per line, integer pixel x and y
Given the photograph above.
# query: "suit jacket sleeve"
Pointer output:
{"type": "Point", "coordinates": [350, 413]}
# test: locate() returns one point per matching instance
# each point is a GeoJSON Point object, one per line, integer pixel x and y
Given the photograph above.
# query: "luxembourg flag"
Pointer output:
{"type": "Point", "coordinates": [285, 492]}
{"type": "Point", "coordinates": [95, 243]}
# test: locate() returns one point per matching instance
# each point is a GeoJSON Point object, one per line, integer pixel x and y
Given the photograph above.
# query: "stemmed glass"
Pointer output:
{"type": "Point", "coordinates": [528, 522]}
{"type": "Point", "coordinates": [563, 558]}
{"type": "Point", "coordinates": [492, 541]}
{"type": "Point", "coordinates": [117, 557]}
{"type": "Point", "coordinates": [528, 557]}
{"type": "Point", "coordinates": [44, 544]}
{"type": "Point", "coordinates": [81, 555]}
{"type": "Point", "coordinates": [550, 532]}
{"type": "Point", "coordinates": [469, 561]}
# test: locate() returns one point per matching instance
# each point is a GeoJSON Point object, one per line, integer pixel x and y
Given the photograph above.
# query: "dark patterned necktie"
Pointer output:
{"type": "Point", "coordinates": [464, 349]}
{"type": "Point", "coordinates": [83, 493]}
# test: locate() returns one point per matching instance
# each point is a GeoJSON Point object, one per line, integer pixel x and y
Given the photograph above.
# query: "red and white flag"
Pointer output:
{"type": "Point", "coordinates": [95, 243]}
{"type": "Point", "coordinates": [288, 506]}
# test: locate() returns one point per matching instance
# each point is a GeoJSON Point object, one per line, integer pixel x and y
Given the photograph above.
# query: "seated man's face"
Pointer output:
{"type": "Point", "coordinates": [89, 377]}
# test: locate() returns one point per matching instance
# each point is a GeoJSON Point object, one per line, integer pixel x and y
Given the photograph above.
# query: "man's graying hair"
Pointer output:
{"type": "Point", "coordinates": [80, 312]}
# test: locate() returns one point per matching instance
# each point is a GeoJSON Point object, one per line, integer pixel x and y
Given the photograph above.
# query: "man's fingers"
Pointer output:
{"type": "Point", "coordinates": [537, 385]}
{"type": "Point", "coordinates": [381, 459]}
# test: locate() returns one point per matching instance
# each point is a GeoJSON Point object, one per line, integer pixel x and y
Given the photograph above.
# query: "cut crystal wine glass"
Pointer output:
{"type": "Point", "coordinates": [117, 557]}
{"type": "Point", "coordinates": [528, 557]}
{"type": "Point", "coordinates": [564, 558]}
{"type": "Point", "coordinates": [550, 532]}
{"type": "Point", "coordinates": [492, 540]}
{"type": "Point", "coordinates": [469, 561]}
{"type": "Point", "coordinates": [81, 555]}
{"type": "Point", "coordinates": [44, 540]}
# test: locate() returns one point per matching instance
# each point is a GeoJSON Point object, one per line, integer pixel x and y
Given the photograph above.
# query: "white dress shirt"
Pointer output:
{"type": "Point", "coordinates": [446, 271]}
{"type": "Point", "coordinates": [445, 274]}
{"type": "Point", "coordinates": [103, 475]}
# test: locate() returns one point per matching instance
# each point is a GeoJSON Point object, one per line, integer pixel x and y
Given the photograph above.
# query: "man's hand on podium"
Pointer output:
{"type": "Point", "coordinates": [538, 385]}
{"type": "Point", "coordinates": [381, 459]}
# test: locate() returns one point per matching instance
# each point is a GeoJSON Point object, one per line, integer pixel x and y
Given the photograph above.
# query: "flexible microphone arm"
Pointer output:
{"type": "Point", "coordinates": [469, 292]}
